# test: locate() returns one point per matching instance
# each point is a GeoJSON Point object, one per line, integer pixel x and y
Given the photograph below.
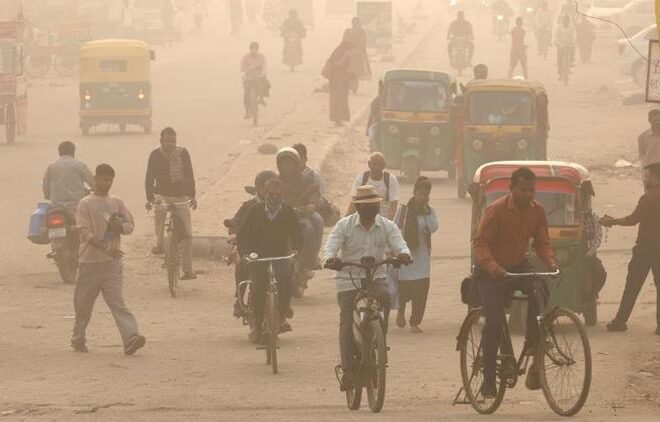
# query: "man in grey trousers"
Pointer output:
{"type": "Point", "coordinates": [101, 219]}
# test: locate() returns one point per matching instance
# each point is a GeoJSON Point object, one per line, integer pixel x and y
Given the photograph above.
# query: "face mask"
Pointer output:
{"type": "Point", "coordinates": [274, 202]}
{"type": "Point", "coordinates": [368, 212]}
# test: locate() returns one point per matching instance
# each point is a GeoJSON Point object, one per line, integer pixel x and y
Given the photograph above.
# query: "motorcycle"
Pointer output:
{"type": "Point", "coordinates": [460, 54]}
{"type": "Point", "coordinates": [64, 243]}
{"type": "Point", "coordinates": [500, 26]}
{"type": "Point", "coordinates": [292, 55]}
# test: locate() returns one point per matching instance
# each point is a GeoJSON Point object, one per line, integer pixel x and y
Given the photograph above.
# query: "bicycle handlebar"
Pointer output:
{"type": "Point", "coordinates": [252, 258]}
{"type": "Point", "coordinates": [341, 265]}
{"type": "Point", "coordinates": [169, 204]}
{"type": "Point", "coordinates": [555, 273]}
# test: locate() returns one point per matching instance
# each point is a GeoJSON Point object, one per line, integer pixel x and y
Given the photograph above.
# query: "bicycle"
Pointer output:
{"type": "Point", "coordinates": [368, 336]}
{"type": "Point", "coordinates": [555, 360]}
{"type": "Point", "coordinates": [175, 233]}
{"type": "Point", "coordinates": [270, 325]}
{"type": "Point", "coordinates": [253, 87]}
{"type": "Point", "coordinates": [564, 65]}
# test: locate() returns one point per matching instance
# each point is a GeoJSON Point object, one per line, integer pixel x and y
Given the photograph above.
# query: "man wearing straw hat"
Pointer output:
{"type": "Point", "coordinates": [363, 233]}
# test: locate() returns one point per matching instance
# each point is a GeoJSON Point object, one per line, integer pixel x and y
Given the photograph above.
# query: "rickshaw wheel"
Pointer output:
{"type": "Point", "coordinates": [591, 313]}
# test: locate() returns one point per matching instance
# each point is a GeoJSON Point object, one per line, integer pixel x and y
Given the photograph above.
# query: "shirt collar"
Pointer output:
{"type": "Point", "coordinates": [511, 204]}
{"type": "Point", "coordinates": [377, 223]}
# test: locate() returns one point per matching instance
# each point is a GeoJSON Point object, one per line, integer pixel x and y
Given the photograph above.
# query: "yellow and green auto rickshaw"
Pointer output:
{"type": "Point", "coordinates": [416, 132]}
{"type": "Point", "coordinates": [500, 120]}
{"type": "Point", "coordinates": [115, 84]}
{"type": "Point", "coordinates": [565, 191]}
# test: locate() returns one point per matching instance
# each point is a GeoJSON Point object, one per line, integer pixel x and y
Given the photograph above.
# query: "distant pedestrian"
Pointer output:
{"type": "Point", "coordinates": [645, 253]}
{"type": "Point", "coordinates": [101, 221]}
{"type": "Point", "coordinates": [385, 183]}
{"type": "Point", "coordinates": [360, 67]}
{"type": "Point", "coordinates": [585, 38]}
{"type": "Point", "coordinates": [518, 49]}
{"type": "Point", "coordinates": [648, 143]}
{"type": "Point", "coordinates": [337, 70]}
{"type": "Point", "coordinates": [418, 222]}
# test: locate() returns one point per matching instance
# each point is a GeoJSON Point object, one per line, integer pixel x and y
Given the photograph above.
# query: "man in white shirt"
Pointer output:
{"type": "Point", "coordinates": [385, 183]}
{"type": "Point", "coordinates": [565, 41]}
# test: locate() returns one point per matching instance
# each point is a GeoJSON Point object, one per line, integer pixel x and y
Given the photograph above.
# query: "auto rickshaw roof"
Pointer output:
{"type": "Point", "coordinates": [115, 48]}
{"type": "Point", "coordinates": [503, 84]}
{"type": "Point", "coordinates": [416, 75]}
{"type": "Point", "coordinates": [575, 173]}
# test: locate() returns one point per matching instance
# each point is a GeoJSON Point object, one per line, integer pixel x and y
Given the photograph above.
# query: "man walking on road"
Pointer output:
{"type": "Point", "coordinates": [170, 180]}
{"type": "Point", "coordinates": [385, 183]}
{"type": "Point", "coordinates": [364, 233]}
{"type": "Point", "coordinates": [645, 253]}
{"type": "Point", "coordinates": [65, 179]}
{"type": "Point", "coordinates": [501, 246]}
{"type": "Point", "coordinates": [648, 144]}
{"type": "Point", "coordinates": [101, 221]}
{"type": "Point", "coordinates": [518, 49]}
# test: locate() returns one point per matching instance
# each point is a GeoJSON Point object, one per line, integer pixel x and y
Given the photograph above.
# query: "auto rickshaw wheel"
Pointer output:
{"type": "Point", "coordinates": [590, 312]}
{"type": "Point", "coordinates": [410, 168]}
{"type": "Point", "coordinates": [10, 123]}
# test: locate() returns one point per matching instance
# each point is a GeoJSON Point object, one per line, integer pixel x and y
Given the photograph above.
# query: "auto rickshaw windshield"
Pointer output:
{"type": "Point", "coordinates": [417, 96]}
{"type": "Point", "coordinates": [500, 108]}
{"type": "Point", "coordinates": [560, 207]}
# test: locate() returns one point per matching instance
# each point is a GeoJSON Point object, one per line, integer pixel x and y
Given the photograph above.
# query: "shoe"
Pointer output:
{"type": "Point", "coordinates": [157, 250]}
{"type": "Point", "coordinates": [615, 326]}
{"type": "Point", "coordinates": [188, 276]}
{"type": "Point", "coordinates": [254, 336]}
{"type": "Point", "coordinates": [532, 381]}
{"type": "Point", "coordinates": [289, 313]}
{"type": "Point", "coordinates": [400, 319]}
{"type": "Point", "coordinates": [237, 310]}
{"type": "Point", "coordinates": [80, 348]}
{"type": "Point", "coordinates": [488, 391]}
{"type": "Point", "coordinates": [415, 329]}
{"type": "Point", "coordinates": [347, 381]}
{"type": "Point", "coordinates": [285, 327]}
{"type": "Point", "coordinates": [134, 344]}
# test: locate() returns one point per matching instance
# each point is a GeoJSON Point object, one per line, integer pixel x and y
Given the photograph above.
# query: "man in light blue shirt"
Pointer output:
{"type": "Point", "coordinates": [361, 234]}
{"type": "Point", "coordinates": [65, 179]}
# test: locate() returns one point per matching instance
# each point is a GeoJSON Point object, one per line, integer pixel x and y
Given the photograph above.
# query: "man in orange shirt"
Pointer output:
{"type": "Point", "coordinates": [501, 246]}
{"type": "Point", "coordinates": [518, 48]}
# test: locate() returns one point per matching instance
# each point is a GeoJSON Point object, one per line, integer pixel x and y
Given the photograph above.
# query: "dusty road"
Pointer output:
{"type": "Point", "coordinates": [198, 363]}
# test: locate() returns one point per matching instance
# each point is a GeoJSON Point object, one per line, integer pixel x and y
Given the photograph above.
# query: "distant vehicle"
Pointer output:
{"type": "Point", "coordinates": [631, 64]}
{"type": "Point", "coordinates": [635, 15]}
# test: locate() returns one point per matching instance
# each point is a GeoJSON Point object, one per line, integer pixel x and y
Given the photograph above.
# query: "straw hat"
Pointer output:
{"type": "Point", "coordinates": [366, 195]}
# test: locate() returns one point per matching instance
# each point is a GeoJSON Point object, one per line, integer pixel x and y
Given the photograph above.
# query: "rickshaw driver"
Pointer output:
{"type": "Point", "coordinates": [501, 246]}
{"type": "Point", "coordinates": [254, 67]}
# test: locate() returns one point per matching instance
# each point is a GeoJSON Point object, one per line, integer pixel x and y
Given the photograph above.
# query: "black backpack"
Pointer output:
{"type": "Point", "coordinates": [386, 179]}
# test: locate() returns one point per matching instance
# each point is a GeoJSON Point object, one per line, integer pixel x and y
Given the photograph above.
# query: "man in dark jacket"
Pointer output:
{"type": "Point", "coordinates": [271, 230]}
{"type": "Point", "coordinates": [170, 180]}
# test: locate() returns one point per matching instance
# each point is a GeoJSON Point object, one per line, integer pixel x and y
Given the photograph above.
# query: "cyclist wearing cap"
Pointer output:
{"type": "Point", "coordinates": [363, 233]}
{"type": "Point", "coordinates": [501, 246]}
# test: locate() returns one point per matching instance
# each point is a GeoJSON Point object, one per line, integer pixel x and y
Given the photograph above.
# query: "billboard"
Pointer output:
{"type": "Point", "coordinates": [653, 73]}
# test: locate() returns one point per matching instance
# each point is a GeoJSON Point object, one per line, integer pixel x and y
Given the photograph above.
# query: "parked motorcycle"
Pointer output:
{"type": "Point", "coordinates": [64, 243]}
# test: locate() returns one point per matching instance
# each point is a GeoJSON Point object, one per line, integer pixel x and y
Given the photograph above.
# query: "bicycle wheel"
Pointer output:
{"type": "Point", "coordinates": [273, 328]}
{"type": "Point", "coordinates": [375, 366]}
{"type": "Point", "coordinates": [255, 111]}
{"type": "Point", "coordinates": [354, 395]}
{"type": "Point", "coordinates": [564, 360]}
{"type": "Point", "coordinates": [472, 365]}
{"type": "Point", "coordinates": [172, 264]}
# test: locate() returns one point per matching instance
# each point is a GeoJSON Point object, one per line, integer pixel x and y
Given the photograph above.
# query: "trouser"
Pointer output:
{"type": "Point", "coordinates": [312, 231]}
{"type": "Point", "coordinates": [569, 52]}
{"type": "Point", "coordinates": [417, 292]}
{"type": "Point", "coordinates": [346, 301]}
{"type": "Point", "coordinates": [183, 212]}
{"type": "Point", "coordinates": [645, 259]}
{"type": "Point", "coordinates": [259, 275]}
{"type": "Point", "coordinates": [518, 56]}
{"type": "Point", "coordinates": [494, 298]}
{"type": "Point", "coordinates": [106, 278]}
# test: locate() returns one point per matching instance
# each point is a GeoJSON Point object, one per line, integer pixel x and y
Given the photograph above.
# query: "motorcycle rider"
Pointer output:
{"type": "Point", "coordinates": [66, 181]}
{"type": "Point", "coordinates": [363, 232]}
{"type": "Point", "coordinates": [293, 31]}
{"type": "Point", "coordinates": [543, 28]}
{"type": "Point", "coordinates": [460, 31]}
{"type": "Point", "coordinates": [565, 43]}
{"type": "Point", "coordinates": [518, 48]}
{"type": "Point", "coordinates": [255, 69]}
{"type": "Point", "coordinates": [302, 193]}
{"type": "Point", "coordinates": [501, 8]}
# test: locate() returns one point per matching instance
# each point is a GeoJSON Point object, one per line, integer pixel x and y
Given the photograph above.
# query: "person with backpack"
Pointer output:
{"type": "Point", "coordinates": [386, 184]}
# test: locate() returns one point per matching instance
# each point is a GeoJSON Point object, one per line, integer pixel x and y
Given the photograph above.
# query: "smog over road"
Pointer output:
{"type": "Point", "coordinates": [316, 210]}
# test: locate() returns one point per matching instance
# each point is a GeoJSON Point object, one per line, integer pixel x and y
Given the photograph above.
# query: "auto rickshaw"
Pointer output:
{"type": "Point", "coordinates": [13, 85]}
{"type": "Point", "coordinates": [115, 84]}
{"type": "Point", "coordinates": [416, 132]}
{"type": "Point", "coordinates": [565, 191]}
{"type": "Point", "coordinates": [500, 120]}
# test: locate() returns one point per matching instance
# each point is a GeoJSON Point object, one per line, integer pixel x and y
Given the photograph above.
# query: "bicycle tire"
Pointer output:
{"type": "Point", "coordinates": [354, 395]}
{"type": "Point", "coordinates": [548, 339]}
{"type": "Point", "coordinates": [470, 341]}
{"type": "Point", "coordinates": [172, 265]}
{"type": "Point", "coordinates": [376, 366]}
{"type": "Point", "coordinates": [273, 329]}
